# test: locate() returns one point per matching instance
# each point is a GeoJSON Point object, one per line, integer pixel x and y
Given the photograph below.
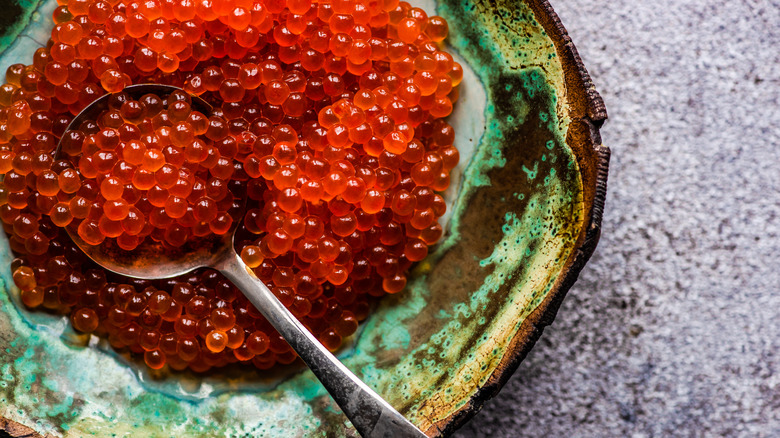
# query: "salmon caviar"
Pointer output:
{"type": "Point", "coordinates": [327, 118]}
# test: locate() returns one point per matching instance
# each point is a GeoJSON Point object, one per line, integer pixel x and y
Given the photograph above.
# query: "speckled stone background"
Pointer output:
{"type": "Point", "coordinates": [673, 328]}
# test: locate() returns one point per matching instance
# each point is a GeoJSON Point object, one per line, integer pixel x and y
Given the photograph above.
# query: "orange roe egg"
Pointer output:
{"type": "Point", "coordinates": [216, 341]}
{"type": "Point", "coordinates": [154, 359]}
{"type": "Point", "coordinates": [24, 278]}
{"type": "Point", "coordinates": [85, 320]}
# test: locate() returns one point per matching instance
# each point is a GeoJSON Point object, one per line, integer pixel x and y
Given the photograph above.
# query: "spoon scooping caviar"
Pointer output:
{"type": "Point", "coordinates": [371, 415]}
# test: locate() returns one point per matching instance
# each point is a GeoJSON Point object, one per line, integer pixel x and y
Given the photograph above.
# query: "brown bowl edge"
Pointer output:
{"type": "Point", "coordinates": [588, 114]}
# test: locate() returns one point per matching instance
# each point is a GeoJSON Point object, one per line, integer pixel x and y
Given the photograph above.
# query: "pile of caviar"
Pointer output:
{"type": "Point", "coordinates": [147, 172]}
{"type": "Point", "coordinates": [327, 118]}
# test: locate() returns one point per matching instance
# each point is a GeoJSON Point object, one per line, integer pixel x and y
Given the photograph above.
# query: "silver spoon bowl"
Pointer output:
{"type": "Point", "coordinates": [369, 413]}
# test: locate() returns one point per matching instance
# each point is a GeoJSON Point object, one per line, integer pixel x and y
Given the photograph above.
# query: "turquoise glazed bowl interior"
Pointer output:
{"type": "Point", "coordinates": [524, 214]}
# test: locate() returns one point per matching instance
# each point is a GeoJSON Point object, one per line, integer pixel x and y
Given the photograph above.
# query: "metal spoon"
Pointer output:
{"type": "Point", "coordinates": [370, 414]}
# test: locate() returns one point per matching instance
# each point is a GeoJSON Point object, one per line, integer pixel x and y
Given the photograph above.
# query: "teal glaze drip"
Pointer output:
{"type": "Point", "coordinates": [487, 60]}
{"type": "Point", "coordinates": [531, 173]}
{"type": "Point", "coordinates": [485, 159]}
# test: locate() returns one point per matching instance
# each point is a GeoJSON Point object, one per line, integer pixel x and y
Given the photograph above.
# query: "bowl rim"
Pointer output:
{"type": "Point", "coordinates": [588, 112]}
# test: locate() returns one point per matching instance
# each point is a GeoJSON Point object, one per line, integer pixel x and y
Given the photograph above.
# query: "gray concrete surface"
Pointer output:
{"type": "Point", "coordinates": [674, 326]}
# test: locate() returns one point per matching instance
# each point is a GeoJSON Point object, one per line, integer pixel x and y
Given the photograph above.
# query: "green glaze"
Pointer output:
{"type": "Point", "coordinates": [515, 214]}
{"type": "Point", "coordinates": [25, 25]}
{"type": "Point", "coordinates": [15, 19]}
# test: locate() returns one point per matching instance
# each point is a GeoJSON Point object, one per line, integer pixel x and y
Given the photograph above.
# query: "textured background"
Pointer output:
{"type": "Point", "coordinates": [673, 328]}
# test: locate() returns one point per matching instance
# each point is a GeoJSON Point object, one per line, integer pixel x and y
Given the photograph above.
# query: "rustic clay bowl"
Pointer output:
{"type": "Point", "coordinates": [525, 217]}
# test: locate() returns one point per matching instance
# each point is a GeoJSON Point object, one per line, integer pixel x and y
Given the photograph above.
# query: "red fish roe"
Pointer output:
{"type": "Point", "coordinates": [148, 193]}
{"type": "Point", "coordinates": [327, 118]}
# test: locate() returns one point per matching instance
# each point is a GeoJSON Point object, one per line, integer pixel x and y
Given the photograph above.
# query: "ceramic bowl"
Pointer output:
{"type": "Point", "coordinates": [524, 217]}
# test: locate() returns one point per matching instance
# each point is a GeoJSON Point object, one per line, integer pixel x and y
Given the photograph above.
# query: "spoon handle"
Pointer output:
{"type": "Point", "coordinates": [370, 414]}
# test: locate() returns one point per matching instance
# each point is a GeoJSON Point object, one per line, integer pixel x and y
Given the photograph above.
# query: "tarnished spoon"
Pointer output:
{"type": "Point", "coordinates": [371, 415]}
